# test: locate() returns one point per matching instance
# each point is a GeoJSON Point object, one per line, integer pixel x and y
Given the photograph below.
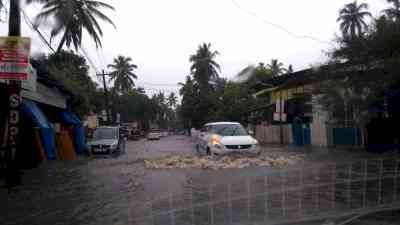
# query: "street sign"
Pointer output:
{"type": "Point", "coordinates": [14, 58]}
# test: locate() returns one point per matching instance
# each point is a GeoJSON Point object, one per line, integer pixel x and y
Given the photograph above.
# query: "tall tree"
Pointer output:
{"type": "Point", "coordinates": [276, 68]}
{"type": "Point", "coordinates": [254, 74]}
{"type": "Point", "coordinates": [204, 67]}
{"type": "Point", "coordinates": [122, 74]}
{"type": "Point", "coordinates": [394, 11]}
{"type": "Point", "coordinates": [72, 17]}
{"type": "Point", "coordinates": [352, 19]}
{"type": "Point", "coordinates": [289, 69]}
{"type": "Point", "coordinates": [172, 100]}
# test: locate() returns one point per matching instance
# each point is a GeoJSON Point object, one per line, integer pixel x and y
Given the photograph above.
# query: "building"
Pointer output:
{"type": "Point", "coordinates": [44, 115]}
{"type": "Point", "coordinates": [292, 113]}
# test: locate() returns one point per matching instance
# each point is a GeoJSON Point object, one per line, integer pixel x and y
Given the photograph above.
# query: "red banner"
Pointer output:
{"type": "Point", "coordinates": [14, 58]}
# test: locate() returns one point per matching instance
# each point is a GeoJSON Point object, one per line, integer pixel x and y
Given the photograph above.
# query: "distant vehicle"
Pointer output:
{"type": "Point", "coordinates": [164, 133]}
{"type": "Point", "coordinates": [226, 137]}
{"type": "Point", "coordinates": [107, 140]}
{"type": "Point", "coordinates": [154, 135]}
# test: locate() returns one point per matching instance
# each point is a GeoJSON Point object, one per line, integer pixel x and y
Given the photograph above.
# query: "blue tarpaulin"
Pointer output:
{"type": "Point", "coordinates": [31, 109]}
{"type": "Point", "coordinates": [79, 133]}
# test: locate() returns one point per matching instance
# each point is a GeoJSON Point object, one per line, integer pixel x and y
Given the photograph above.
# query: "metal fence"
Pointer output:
{"type": "Point", "coordinates": [292, 195]}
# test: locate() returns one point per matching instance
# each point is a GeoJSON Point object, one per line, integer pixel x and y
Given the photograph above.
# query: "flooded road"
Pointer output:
{"type": "Point", "coordinates": [120, 190]}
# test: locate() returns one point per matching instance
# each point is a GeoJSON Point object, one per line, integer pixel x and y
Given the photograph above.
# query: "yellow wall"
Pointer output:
{"type": "Point", "coordinates": [288, 93]}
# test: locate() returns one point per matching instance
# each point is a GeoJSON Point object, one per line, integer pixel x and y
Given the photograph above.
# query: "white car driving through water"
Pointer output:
{"type": "Point", "coordinates": [226, 137]}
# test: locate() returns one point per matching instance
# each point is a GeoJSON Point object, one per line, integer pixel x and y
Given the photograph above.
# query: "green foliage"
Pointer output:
{"type": "Point", "coordinates": [276, 68]}
{"type": "Point", "coordinates": [72, 17]}
{"type": "Point", "coordinates": [72, 71]}
{"type": "Point", "coordinates": [352, 19]}
{"type": "Point", "coordinates": [122, 74]}
{"type": "Point", "coordinates": [236, 103]}
{"type": "Point", "coordinates": [372, 63]}
{"type": "Point", "coordinates": [254, 75]}
{"type": "Point", "coordinates": [204, 68]}
{"type": "Point", "coordinates": [135, 106]}
{"type": "Point", "coordinates": [172, 100]}
{"type": "Point", "coordinates": [394, 11]}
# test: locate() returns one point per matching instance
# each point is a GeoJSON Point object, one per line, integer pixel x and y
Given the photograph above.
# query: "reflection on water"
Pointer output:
{"type": "Point", "coordinates": [106, 192]}
{"type": "Point", "coordinates": [293, 195]}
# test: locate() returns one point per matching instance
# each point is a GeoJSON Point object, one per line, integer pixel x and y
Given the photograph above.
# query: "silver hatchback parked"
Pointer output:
{"type": "Point", "coordinates": [107, 140]}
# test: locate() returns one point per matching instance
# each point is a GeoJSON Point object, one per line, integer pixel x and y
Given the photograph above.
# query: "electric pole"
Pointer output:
{"type": "Point", "coordinates": [12, 172]}
{"type": "Point", "coordinates": [106, 96]}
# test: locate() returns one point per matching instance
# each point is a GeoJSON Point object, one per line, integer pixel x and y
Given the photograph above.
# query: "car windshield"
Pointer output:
{"type": "Point", "coordinates": [105, 133]}
{"type": "Point", "coordinates": [229, 130]}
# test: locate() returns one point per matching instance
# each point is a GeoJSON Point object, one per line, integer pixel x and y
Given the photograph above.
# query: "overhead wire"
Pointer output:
{"type": "Point", "coordinates": [30, 24]}
{"type": "Point", "coordinates": [280, 27]}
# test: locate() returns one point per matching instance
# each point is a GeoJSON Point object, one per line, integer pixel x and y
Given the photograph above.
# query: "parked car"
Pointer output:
{"type": "Point", "coordinates": [107, 140]}
{"type": "Point", "coordinates": [226, 137]}
{"type": "Point", "coordinates": [154, 135]}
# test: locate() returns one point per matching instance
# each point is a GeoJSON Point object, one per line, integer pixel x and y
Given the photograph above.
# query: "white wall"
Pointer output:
{"type": "Point", "coordinates": [271, 134]}
{"type": "Point", "coordinates": [319, 134]}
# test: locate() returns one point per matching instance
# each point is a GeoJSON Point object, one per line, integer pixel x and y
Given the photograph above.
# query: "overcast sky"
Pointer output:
{"type": "Point", "coordinates": [160, 35]}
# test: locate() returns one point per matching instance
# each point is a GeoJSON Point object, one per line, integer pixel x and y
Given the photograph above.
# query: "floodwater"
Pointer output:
{"type": "Point", "coordinates": [120, 190]}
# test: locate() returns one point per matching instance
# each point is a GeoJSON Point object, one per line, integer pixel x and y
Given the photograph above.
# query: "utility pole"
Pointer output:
{"type": "Point", "coordinates": [280, 118]}
{"type": "Point", "coordinates": [12, 172]}
{"type": "Point", "coordinates": [106, 99]}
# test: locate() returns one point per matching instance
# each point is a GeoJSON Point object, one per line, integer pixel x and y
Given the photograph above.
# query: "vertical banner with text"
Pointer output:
{"type": "Point", "coordinates": [14, 68]}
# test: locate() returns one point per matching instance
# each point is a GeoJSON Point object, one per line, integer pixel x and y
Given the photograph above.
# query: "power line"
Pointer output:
{"type": "Point", "coordinates": [278, 26]}
{"type": "Point", "coordinates": [35, 28]}
{"type": "Point", "coordinates": [89, 59]}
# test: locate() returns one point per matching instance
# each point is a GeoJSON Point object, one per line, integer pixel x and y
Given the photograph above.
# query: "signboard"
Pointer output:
{"type": "Point", "coordinates": [14, 58]}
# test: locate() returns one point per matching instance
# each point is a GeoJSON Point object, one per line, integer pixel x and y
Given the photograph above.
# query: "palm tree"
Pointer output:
{"type": "Point", "coordinates": [276, 68]}
{"type": "Point", "coordinates": [289, 70]}
{"type": "Point", "coordinates": [351, 18]}
{"type": "Point", "coordinates": [172, 100]}
{"type": "Point", "coordinates": [71, 18]}
{"type": "Point", "coordinates": [393, 12]}
{"type": "Point", "coordinates": [204, 68]}
{"type": "Point", "coordinates": [122, 74]}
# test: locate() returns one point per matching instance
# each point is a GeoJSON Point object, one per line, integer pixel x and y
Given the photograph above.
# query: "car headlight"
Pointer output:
{"type": "Point", "coordinates": [215, 141]}
{"type": "Point", "coordinates": [255, 142]}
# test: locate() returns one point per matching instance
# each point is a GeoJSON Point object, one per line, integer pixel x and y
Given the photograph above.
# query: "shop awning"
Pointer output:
{"type": "Point", "coordinates": [79, 132]}
{"type": "Point", "coordinates": [32, 110]}
{"type": "Point", "coordinates": [70, 118]}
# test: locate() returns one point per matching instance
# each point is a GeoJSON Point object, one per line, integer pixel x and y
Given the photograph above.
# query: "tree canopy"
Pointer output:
{"type": "Point", "coordinates": [123, 74]}
{"type": "Point", "coordinates": [71, 18]}
{"type": "Point", "coordinates": [352, 19]}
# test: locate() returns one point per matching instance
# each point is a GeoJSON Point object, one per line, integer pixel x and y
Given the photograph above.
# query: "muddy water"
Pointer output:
{"type": "Point", "coordinates": [121, 191]}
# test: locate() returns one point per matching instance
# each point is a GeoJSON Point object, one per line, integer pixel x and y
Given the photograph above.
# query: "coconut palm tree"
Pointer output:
{"type": "Point", "coordinates": [172, 100]}
{"type": "Point", "coordinates": [276, 68]}
{"type": "Point", "coordinates": [204, 68]}
{"type": "Point", "coordinates": [71, 18]}
{"type": "Point", "coordinates": [289, 69]}
{"type": "Point", "coordinates": [122, 74]}
{"type": "Point", "coordinates": [352, 19]}
{"type": "Point", "coordinates": [394, 11]}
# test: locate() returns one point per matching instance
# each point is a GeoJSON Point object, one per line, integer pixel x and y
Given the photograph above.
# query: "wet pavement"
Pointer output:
{"type": "Point", "coordinates": [118, 190]}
